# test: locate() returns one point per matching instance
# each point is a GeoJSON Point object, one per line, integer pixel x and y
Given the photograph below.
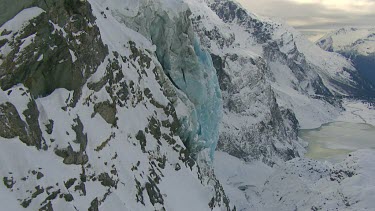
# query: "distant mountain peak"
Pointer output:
{"type": "Point", "coordinates": [356, 44]}
{"type": "Point", "coordinates": [349, 40]}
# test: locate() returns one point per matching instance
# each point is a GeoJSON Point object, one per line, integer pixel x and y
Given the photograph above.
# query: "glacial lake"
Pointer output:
{"type": "Point", "coordinates": [334, 141]}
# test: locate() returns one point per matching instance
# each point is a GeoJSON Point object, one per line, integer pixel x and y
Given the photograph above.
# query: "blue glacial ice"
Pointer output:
{"type": "Point", "coordinates": [198, 80]}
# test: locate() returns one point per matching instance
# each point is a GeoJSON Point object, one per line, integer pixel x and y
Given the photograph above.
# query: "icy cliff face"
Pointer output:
{"type": "Point", "coordinates": [187, 65]}
{"type": "Point", "coordinates": [93, 118]}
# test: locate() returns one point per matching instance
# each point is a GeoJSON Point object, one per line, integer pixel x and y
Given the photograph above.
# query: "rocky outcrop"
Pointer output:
{"type": "Point", "coordinates": [57, 57]}
{"type": "Point", "coordinates": [95, 108]}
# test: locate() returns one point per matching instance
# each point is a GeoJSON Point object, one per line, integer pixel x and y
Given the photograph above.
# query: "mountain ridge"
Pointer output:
{"type": "Point", "coordinates": [109, 104]}
{"type": "Point", "coordinates": [356, 44]}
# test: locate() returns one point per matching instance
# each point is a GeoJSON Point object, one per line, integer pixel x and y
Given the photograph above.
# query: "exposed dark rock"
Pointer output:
{"type": "Point", "coordinates": [72, 157]}
{"type": "Point", "coordinates": [81, 187]}
{"type": "Point", "coordinates": [105, 143]}
{"type": "Point", "coordinates": [47, 207]}
{"type": "Point", "coordinates": [34, 132]}
{"type": "Point", "coordinates": [94, 205]}
{"type": "Point", "coordinates": [11, 124]}
{"type": "Point", "coordinates": [68, 197]}
{"type": "Point", "coordinates": [142, 140]}
{"type": "Point", "coordinates": [154, 192]}
{"type": "Point", "coordinates": [107, 111]}
{"type": "Point", "coordinates": [42, 78]}
{"type": "Point", "coordinates": [25, 203]}
{"type": "Point", "coordinates": [39, 175]}
{"type": "Point", "coordinates": [70, 183]}
{"type": "Point", "coordinates": [39, 190]}
{"type": "Point", "coordinates": [154, 128]}
{"type": "Point", "coordinates": [106, 180]}
{"type": "Point", "coordinates": [49, 126]}
{"type": "Point", "coordinates": [223, 77]}
{"type": "Point", "coordinates": [3, 42]}
{"type": "Point", "coordinates": [8, 182]}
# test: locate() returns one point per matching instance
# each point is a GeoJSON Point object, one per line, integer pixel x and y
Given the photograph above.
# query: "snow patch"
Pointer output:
{"type": "Point", "coordinates": [20, 20]}
{"type": "Point", "coordinates": [40, 58]}
{"type": "Point", "coordinates": [72, 54]}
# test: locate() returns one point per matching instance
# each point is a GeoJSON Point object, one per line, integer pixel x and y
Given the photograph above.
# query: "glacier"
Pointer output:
{"type": "Point", "coordinates": [113, 140]}
{"type": "Point", "coordinates": [190, 68]}
{"type": "Point", "coordinates": [197, 79]}
{"type": "Point", "coordinates": [144, 117]}
{"type": "Point", "coordinates": [208, 101]}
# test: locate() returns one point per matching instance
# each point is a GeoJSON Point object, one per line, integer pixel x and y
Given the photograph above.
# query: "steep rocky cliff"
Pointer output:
{"type": "Point", "coordinates": [253, 126]}
{"type": "Point", "coordinates": [273, 81]}
{"type": "Point", "coordinates": [120, 104]}
{"type": "Point", "coordinates": [94, 116]}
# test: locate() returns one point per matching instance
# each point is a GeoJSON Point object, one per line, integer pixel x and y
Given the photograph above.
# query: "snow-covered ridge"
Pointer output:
{"type": "Point", "coordinates": [21, 19]}
{"type": "Point", "coordinates": [269, 74]}
{"type": "Point", "coordinates": [114, 138]}
{"type": "Point", "coordinates": [349, 40]}
{"type": "Point", "coordinates": [109, 104]}
{"type": "Point", "coordinates": [14, 25]}
{"type": "Point", "coordinates": [358, 45]}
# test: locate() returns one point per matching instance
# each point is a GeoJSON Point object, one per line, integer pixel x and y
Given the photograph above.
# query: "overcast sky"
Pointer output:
{"type": "Point", "coordinates": [315, 17]}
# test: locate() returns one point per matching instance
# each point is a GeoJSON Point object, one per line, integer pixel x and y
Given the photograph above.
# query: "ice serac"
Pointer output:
{"type": "Point", "coordinates": [206, 95]}
{"type": "Point", "coordinates": [188, 66]}
{"type": "Point", "coordinates": [192, 72]}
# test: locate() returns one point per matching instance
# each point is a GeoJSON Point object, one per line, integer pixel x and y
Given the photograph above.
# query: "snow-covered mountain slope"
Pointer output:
{"type": "Point", "coordinates": [120, 104]}
{"type": "Point", "coordinates": [277, 42]}
{"type": "Point", "coordinates": [358, 45]}
{"type": "Point", "coordinates": [253, 126]}
{"type": "Point", "coordinates": [301, 184]}
{"type": "Point", "coordinates": [351, 40]}
{"type": "Point", "coordinates": [92, 119]}
{"type": "Point", "coordinates": [272, 79]}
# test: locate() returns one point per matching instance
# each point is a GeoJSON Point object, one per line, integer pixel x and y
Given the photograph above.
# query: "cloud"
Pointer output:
{"type": "Point", "coordinates": [317, 15]}
{"type": "Point", "coordinates": [362, 6]}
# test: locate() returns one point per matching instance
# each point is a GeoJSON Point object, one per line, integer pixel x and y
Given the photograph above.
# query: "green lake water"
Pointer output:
{"type": "Point", "coordinates": [334, 141]}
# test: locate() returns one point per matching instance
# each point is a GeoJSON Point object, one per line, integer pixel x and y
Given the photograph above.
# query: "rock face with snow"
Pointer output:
{"type": "Point", "coordinates": [120, 104]}
{"type": "Point", "coordinates": [253, 127]}
{"type": "Point", "coordinates": [94, 116]}
{"type": "Point", "coordinates": [358, 45]}
{"type": "Point", "coordinates": [273, 81]}
{"type": "Point", "coordinates": [350, 40]}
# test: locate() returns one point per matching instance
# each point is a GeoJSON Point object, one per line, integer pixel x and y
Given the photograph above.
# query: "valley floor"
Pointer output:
{"type": "Point", "coordinates": [302, 183]}
{"type": "Point", "coordinates": [357, 112]}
